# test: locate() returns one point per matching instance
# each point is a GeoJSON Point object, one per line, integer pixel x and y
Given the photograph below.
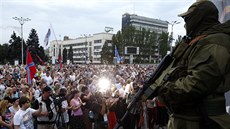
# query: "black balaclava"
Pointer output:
{"type": "Point", "coordinates": [204, 16]}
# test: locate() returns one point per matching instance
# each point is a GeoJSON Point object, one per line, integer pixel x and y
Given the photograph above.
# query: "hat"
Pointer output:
{"type": "Point", "coordinates": [47, 88]}
{"type": "Point", "coordinates": [193, 7]}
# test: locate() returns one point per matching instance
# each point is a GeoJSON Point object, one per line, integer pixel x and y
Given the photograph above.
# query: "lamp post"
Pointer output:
{"type": "Point", "coordinates": [21, 21]}
{"type": "Point", "coordinates": [172, 24]}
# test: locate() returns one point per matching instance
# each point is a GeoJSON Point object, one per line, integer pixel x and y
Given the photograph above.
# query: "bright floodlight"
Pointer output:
{"type": "Point", "coordinates": [103, 84]}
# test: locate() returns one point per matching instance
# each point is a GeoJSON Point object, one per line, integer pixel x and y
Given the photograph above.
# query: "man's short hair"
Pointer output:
{"type": "Point", "coordinates": [46, 89]}
{"type": "Point", "coordinates": [23, 100]}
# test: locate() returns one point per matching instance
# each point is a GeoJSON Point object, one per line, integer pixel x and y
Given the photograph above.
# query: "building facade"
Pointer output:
{"type": "Point", "coordinates": [140, 22]}
{"type": "Point", "coordinates": [85, 49]}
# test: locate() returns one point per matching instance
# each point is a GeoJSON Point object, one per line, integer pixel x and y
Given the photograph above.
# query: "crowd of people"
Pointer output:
{"type": "Point", "coordinates": [77, 97]}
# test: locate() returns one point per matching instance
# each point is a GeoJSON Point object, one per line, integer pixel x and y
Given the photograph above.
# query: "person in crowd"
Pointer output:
{"type": "Point", "coordinates": [120, 110]}
{"type": "Point", "coordinates": [87, 98]}
{"type": "Point", "coordinates": [15, 92]}
{"type": "Point", "coordinates": [111, 105]}
{"type": "Point", "coordinates": [26, 91]}
{"type": "Point", "coordinates": [100, 112]}
{"type": "Point", "coordinates": [62, 107]}
{"type": "Point", "coordinates": [5, 115]}
{"type": "Point", "coordinates": [151, 112]}
{"type": "Point", "coordinates": [135, 112]}
{"type": "Point", "coordinates": [9, 94]}
{"type": "Point", "coordinates": [15, 107]}
{"type": "Point", "coordinates": [46, 119]}
{"type": "Point", "coordinates": [76, 118]}
{"type": "Point", "coordinates": [48, 79]}
{"type": "Point", "coordinates": [2, 87]}
{"type": "Point", "coordinates": [162, 114]}
{"type": "Point", "coordinates": [16, 74]}
{"type": "Point", "coordinates": [38, 91]}
{"type": "Point", "coordinates": [23, 117]}
{"type": "Point", "coordinates": [227, 95]}
{"type": "Point", "coordinates": [193, 85]}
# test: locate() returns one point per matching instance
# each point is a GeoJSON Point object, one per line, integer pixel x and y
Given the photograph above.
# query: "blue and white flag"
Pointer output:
{"type": "Point", "coordinates": [46, 40]}
{"type": "Point", "coordinates": [117, 55]}
{"type": "Point", "coordinates": [224, 9]}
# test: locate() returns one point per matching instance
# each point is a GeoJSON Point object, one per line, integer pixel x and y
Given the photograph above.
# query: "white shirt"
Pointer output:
{"type": "Point", "coordinates": [2, 90]}
{"type": "Point", "coordinates": [24, 118]}
{"type": "Point", "coordinates": [48, 80]}
{"type": "Point", "coordinates": [65, 114]}
{"type": "Point", "coordinates": [37, 93]}
{"type": "Point", "coordinates": [12, 109]}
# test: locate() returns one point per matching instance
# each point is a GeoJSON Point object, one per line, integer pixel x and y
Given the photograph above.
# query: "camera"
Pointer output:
{"type": "Point", "coordinates": [58, 101]}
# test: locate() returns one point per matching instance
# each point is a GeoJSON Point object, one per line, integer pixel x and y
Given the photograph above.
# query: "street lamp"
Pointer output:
{"type": "Point", "coordinates": [172, 24]}
{"type": "Point", "coordinates": [21, 21]}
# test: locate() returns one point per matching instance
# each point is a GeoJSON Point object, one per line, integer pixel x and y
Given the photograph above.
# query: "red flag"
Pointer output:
{"type": "Point", "coordinates": [30, 68]}
{"type": "Point", "coordinates": [42, 62]}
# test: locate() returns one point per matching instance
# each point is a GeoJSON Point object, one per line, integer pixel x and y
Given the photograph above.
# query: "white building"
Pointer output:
{"type": "Point", "coordinates": [85, 49]}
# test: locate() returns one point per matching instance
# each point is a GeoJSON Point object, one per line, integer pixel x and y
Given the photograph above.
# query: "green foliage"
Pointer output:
{"type": "Point", "coordinates": [33, 45]}
{"type": "Point", "coordinates": [106, 54]}
{"type": "Point", "coordinates": [164, 45]}
{"type": "Point", "coordinates": [4, 53]}
{"type": "Point", "coordinates": [144, 39]}
{"type": "Point", "coordinates": [179, 39]}
{"type": "Point", "coordinates": [12, 51]}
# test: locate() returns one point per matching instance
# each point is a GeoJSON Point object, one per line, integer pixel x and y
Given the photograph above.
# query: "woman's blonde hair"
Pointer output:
{"type": "Point", "coordinates": [8, 90]}
{"type": "Point", "coordinates": [3, 106]}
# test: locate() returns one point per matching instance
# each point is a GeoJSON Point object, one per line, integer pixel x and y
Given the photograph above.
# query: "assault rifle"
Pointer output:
{"type": "Point", "coordinates": [146, 89]}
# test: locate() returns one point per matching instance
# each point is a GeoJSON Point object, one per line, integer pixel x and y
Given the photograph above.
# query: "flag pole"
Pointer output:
{"type": "Point", "coordinates": [56, 51]}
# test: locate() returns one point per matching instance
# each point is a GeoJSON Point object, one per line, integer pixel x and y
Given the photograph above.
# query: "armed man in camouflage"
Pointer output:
{"type": "Point", "coordinates": [193, 85]}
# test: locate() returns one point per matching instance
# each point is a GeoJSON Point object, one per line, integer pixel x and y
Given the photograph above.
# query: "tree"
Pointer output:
{"type": "Point", "coordinates": [14, 52]}
{"type": "Point", "coordinates": [106, 53]}
{"type": "Point", "coordinates": [4, 53]}
{"type": "Point", "coordinates": [35, 49]}
{"type": "Point", "coordinates": [70, 54]}
{"type": "Point", "coordinates": [64, 55]}
{"type": "Point", "coordinates": [178, 40]}
{"type": "Point", "coordinates": [144, 39]}
{"type": "Point", "coordinates": [164, 46]}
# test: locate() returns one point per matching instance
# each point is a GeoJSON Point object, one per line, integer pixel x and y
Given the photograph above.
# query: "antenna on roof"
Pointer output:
{"type": "Point", "coordinates": [108, 29]}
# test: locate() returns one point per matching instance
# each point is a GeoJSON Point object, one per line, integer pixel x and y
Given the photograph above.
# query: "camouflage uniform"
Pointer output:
{"type": "Point", "coordinates": [193, 85]}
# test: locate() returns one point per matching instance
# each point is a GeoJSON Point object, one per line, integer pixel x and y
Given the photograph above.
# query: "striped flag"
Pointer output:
{"type": "Point", "coordinates": [117, 55]}
{"type": "Point", "coordinates": [30, 68]}
{"type": "Point", "coordinates": [46, 40]}
{"type": "Point", "coordinates": [41, 61]}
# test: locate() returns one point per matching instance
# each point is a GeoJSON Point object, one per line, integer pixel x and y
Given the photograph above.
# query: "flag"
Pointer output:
{"type": "Point", "coordinates": [224, 9]}
{"type": "Point", "coordinates": [59, 61]}
{"type": "Point", "coordinates": [46, 40]}
{"type": "Point", "coordinates": [117, 55]}
{"type": "Point", "coordinates": [30, 68]}
{"type": "Point", "coordinates": [42, 62]}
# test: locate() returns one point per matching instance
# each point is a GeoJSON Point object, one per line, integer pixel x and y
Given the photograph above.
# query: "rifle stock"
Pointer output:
{"type": "Point", "coordinates": [146, 89]}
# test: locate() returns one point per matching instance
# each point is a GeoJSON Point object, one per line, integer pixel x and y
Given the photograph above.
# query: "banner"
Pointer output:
{"type": "Point", "coordinates": [117, 55]}
{"type": "Point", "coordinates": [46, 40]}
{"type": "Point", "coordinates": [41, 61]}
{"type": "Point", "coordinates": [30, 68]}
{"type": "Point", "coordinates": [224, 9]}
